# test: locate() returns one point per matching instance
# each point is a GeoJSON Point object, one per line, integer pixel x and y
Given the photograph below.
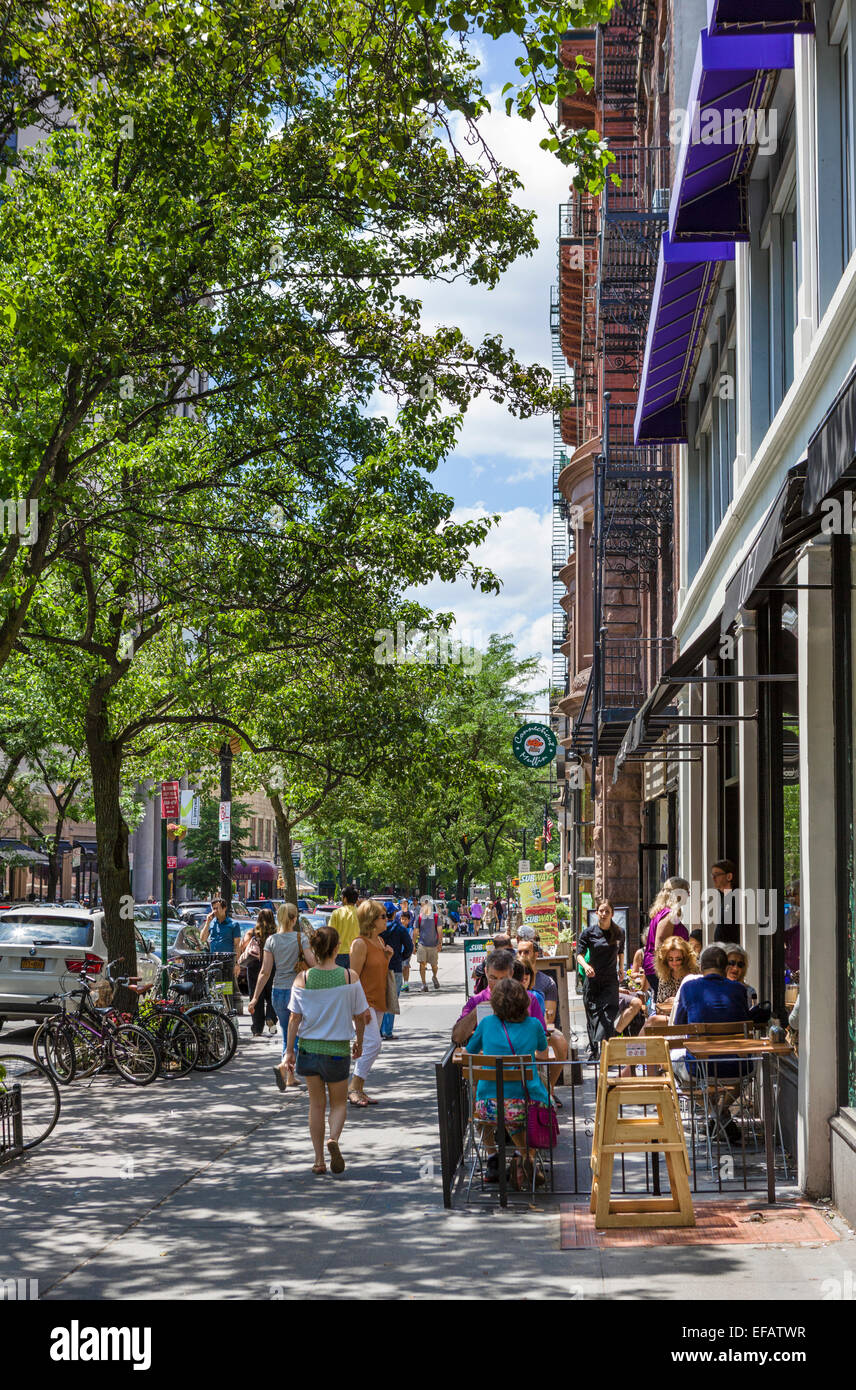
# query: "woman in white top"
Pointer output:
{"type": "Point", "coordinates": [328, 1005]}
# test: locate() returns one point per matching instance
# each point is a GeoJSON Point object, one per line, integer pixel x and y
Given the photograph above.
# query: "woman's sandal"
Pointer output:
{"type": "Point", "coordinates": [337, 1162]}
{"type": "Point", "coordinates": [319, 1168]}
{"type": "Point", "coordinates": [279, 1078]}
{"type": "Point", "coordinates": [357, 1098]}
{"type": "Point", "coordinates": [370, 1100]}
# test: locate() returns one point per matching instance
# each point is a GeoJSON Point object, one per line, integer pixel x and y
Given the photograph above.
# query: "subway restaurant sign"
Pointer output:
{"type": "Point", "coordinates": [534, 745]}
{"type": "Point", "coordinates": [538, 905]}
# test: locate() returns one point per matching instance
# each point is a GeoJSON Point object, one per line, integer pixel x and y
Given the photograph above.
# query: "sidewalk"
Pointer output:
{"type": "Point", "coordinates": [202, 1189]}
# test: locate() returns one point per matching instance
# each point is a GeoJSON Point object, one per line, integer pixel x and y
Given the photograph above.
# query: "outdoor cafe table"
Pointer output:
{"type": "Point", "coordinates": [752, 1049]}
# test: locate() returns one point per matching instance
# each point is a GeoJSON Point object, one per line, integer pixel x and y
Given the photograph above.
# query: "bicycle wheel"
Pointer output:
{"type": "Point", "coordinates": [88, 1051]}
{"type": "Point", "coordinates": [178, 1044]}
{"type": "Point", "coordinates": [56, 1050]}
{"type": "Point", "coordinates": [218, 1036]}
{"type": "Point", "coordinates": [40, 1103]}
{"type": "Point", "coordinates": [135, 1054]}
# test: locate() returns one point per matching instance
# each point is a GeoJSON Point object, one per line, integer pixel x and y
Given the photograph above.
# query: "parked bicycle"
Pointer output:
{"type": "Point", "coordinates": [90, 1039]}
{"type": "Point", "coordinates": [210, 1013]}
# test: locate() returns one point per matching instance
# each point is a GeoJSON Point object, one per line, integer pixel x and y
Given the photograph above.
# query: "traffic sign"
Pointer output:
{"type": "Point", "coordinates": [171, 861]}
{"type": "Point", "coordinates": [170, 800]}
{"type": "Point", "coordinates": [534, 745]}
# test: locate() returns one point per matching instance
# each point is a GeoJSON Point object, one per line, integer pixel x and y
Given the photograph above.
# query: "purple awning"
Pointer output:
{"type": "Point", "coordinates": [255, 868]}
{"type": "Point", "coordinates": [731, 86]}
{"type": "Point", "coordinates": [687, 277]}
{"type": "Point", "coordinates": [760, 17]}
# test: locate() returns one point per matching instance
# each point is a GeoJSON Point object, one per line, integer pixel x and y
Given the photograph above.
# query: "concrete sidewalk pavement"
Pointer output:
{"type": "Point", "coordinates": [202, 1188]}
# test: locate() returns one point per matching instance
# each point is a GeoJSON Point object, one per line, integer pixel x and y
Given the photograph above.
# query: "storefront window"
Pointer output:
{"type": "Point", "coordinates": [780, 800]}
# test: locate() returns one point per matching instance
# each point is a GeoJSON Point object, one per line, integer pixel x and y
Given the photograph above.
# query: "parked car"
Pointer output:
{"type": "Point", "coordinates": [195, 912]}
{"type": "Point", "coordinates": [182, 940]}
{"type": "Point", "coordinates": [43, 947]}
{"type": "Point", "coordinates": [311, 921]}
{"type": "Point", "coordinates": [151, 912]}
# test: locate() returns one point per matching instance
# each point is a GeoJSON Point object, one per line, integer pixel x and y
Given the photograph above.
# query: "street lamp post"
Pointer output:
{"type": "Point", "coordinates": [226, 839]}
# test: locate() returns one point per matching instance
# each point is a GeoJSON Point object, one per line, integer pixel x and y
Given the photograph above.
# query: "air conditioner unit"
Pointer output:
{"type": "Point", "coordinates": [660, 200]}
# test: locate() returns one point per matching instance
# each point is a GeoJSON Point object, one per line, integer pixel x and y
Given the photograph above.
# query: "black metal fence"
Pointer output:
{"type": "Point", "coordinates": [718, 1166]}
{"type": "Point", "coordinates": [11, 1125]}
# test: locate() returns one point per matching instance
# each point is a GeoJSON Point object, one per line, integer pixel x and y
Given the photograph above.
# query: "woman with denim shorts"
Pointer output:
{"type": "Point", "coordinates": [328, 1005]}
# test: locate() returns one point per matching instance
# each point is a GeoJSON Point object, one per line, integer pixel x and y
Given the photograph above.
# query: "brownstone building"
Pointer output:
{"type": "Point", "coordinates": [613, 554]}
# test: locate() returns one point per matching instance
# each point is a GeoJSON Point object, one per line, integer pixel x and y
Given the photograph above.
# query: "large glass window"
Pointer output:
{"type": "Point", "coordinates": [716, 438]}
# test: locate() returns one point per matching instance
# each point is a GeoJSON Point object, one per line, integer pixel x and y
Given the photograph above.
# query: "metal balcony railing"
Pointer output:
{"type": "Point", "coordinates": [578, 220]}
{"type": "Point", "coordinates": [644, 171]}
{"type": "Point", "coordinates": [631, 668]}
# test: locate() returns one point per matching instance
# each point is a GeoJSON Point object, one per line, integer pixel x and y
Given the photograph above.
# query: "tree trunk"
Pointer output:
{"type": "Point", "coordinates": [53, 863]}
{"type": "Point", "coordinates": [341, 850]}
{"type": "Point", "coordinates": [105, 761]}
{"type": "Point", "coordinates": [422, 886]}
{"type": "Point", "coordinates": [462, 880]}
{"type": "Point", "coordinates": [283, 835]}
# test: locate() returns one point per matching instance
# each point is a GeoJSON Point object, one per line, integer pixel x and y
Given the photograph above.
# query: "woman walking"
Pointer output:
{"type": "Point", "coordinates": [286, 951]}
{"type": "Point", "coordinates": [370, 957]}
{"type": "Point", "coordinates": [328, 1005]}
{"type": "Point", "coordinates": [603, 943]}
{"type": "Point", "coordinates": [664, 919]}
{"type": "Point", "coordinates": [252, 958]}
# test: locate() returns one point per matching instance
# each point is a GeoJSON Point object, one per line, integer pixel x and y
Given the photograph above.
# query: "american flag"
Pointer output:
{"type": "Point", "coordinates": [549, 828]}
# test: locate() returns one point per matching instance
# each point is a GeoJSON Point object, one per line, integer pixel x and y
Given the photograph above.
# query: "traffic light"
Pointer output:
{"type": "Point", "coordinates": [539, 842]}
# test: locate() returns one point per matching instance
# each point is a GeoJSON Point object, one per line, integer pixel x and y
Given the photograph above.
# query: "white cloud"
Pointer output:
{"type": "Point", "coordinates": [518, 550]}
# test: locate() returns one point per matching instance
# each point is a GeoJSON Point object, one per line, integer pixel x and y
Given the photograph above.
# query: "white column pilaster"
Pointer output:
{"type": "Point", "coordinates": [818, 983]}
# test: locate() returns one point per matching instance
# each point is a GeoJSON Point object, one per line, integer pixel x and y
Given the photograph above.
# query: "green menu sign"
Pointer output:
{"type": "Point", "coordinates": [534, 745]}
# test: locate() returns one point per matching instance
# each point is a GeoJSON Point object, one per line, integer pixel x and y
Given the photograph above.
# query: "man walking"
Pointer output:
{"type": "Point", "coordinates": [398, 937]}
{"type": "Point", "coordinates": [347, 924]}
{"type": "Point", "coordinates": [429, 939]}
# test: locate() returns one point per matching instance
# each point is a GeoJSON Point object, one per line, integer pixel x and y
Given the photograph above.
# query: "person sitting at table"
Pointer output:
{"type": "Point", "coordinates": [674, 961]}
{"type": "Point", "coordinates": [501, 942]}
{"type": "Point", "coordinates": [510, 1031]}
{"type": "Point", "coordinates": [527, 950]}
{"type": "Point", "coordinates": [712, 998]}
{"type": "Point", "coordinates": [498, 966]}
{"type": "Point", "coordinates": [738, 964]}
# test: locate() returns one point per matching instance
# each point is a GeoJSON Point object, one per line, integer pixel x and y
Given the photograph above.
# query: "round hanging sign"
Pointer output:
{"type": "Point", "coordinates": [534, 745]}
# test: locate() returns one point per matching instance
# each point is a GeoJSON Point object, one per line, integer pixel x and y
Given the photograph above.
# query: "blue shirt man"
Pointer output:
{"type": "Point", "coordinates": [711, 998]}
{"type": "Point", "coordinates": [220, 932]}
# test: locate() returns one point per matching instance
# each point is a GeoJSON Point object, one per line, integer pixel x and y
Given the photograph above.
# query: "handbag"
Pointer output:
{"type": "Point", "coordinates": [542, 1122]}
{"type": "Point", "coordinates": [392, 1004]}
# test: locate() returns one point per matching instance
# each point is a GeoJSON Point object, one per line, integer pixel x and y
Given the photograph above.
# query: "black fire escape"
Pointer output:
{"type": "Point", "coordinates": [633, 486]}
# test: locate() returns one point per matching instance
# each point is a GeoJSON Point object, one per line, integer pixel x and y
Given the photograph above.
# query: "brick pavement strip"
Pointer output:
{"type": "Point", "coordinates": [201, 1188]}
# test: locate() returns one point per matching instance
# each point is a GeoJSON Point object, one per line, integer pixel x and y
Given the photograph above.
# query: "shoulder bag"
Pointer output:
{"type": "Point", "coordinates": [542, 1124]}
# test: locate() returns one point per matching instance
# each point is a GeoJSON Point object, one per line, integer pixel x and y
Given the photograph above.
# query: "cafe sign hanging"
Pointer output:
{"type": "Point", "coordinates": [534, 745]}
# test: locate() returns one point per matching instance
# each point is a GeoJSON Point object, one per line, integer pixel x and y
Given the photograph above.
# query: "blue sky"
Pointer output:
{"type": "Point", "coordinates": [501, 464]}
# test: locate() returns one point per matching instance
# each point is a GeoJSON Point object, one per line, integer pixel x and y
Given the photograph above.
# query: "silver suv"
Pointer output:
{"type": "Point", "coordinates": [44, 947]}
